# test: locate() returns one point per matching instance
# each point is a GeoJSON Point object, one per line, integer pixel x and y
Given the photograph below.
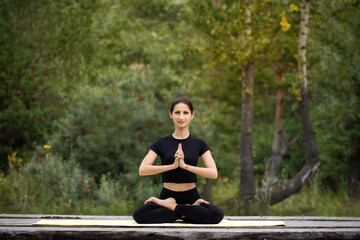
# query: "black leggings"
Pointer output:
{"type": "Point", "coordinates": [154, 213]}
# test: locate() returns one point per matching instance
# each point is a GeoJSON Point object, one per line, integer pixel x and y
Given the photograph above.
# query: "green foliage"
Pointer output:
{"type": "Point", "coordinates": [317, 200]}
{"type": "Point", "coordinates": [94, 80]}
{"type": "Point", "coordinates": [335, 78]}
{"type": "Point", "coordinates": [314, 199]}
{"type": "Point", "coordinates": [49, 185]}
{"type": "Point", "coordinates": [42, 43]}
{"type": "Point", "coordinates": [111, 133]}
{"type": "Point", "coordinates": [54, 186]}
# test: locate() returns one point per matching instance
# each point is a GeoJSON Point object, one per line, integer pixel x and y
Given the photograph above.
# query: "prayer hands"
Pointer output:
{"type": "Point", "coordinates": [179, 158]}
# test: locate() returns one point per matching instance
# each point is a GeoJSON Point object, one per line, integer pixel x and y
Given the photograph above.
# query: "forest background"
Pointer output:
{"type": "Point", "coordinates": [86, 88]}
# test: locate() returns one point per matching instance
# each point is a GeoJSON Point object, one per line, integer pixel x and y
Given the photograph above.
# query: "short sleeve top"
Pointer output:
{"type": "Point", "coordinates": [192, 147]}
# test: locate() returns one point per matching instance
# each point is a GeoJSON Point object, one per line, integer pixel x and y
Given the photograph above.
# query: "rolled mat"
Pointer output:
{"type": "Point", "coordinates": [132, 223]}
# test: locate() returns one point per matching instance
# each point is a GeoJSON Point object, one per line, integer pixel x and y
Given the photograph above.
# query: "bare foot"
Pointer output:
{"type": "Point", "coordinates": [201, 201]}
{"type": "Point", "coordinates": [169, 203]}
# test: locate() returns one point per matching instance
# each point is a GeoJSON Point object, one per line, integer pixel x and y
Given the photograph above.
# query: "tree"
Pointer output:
{"type": "Point", "coordinates": [312, 162]}
{"type": "Point", "coordinates": [247, 181]}
{"type": "Point", "coordinates": [44, 47]}
{"type": "Point", "coordinates": [334, 90]}
{"type": "Point", "coordinates": [223, 31]}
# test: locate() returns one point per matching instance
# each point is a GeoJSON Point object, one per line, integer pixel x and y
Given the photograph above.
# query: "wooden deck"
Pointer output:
{"type": "Point", "coordinates": [19, 227]}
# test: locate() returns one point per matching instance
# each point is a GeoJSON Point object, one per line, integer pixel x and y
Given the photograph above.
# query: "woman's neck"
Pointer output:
{"type": "Point", "coordinates": [181, 133]}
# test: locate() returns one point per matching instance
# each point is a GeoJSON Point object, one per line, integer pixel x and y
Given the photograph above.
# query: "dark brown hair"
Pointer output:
{"type": "Point", "coordinates": [182, 100]}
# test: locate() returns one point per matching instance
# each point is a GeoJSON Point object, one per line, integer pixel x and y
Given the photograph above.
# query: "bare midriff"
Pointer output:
{"type": "Point", "coordinates": [179, 187]}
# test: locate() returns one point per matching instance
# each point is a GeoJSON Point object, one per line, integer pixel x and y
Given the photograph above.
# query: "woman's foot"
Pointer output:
{"type": "Point", "coordinates": [200, 201]}
{"type": "Point", "coordinates": [169, 203]}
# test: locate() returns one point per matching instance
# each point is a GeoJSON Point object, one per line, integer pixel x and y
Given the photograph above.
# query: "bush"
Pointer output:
{"type": "Point", "coordinates": [110, 131]}
{"type": "Point", "coordinates": [50, 185]}
{"type": "Point", "coordinates": [47, 185]}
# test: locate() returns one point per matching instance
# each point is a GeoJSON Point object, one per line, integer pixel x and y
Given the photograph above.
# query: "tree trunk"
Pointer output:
{"type": "Point", "coordinates": [352, 125]}
{"type": "Point", "coordinates": [217, 3]}
{"type": "Point", "coordinates": [247, 185]}
{"type": "Point", "coordinates": [275, 159]}
{"type": "Point", "coordinates": [247, 179]}
{"type": "Point", "coordinates": [353, 178]}
{"type": "Point", "coordinates": [207, 191]}
{"type": "Point", "coordinates": [312, 162]}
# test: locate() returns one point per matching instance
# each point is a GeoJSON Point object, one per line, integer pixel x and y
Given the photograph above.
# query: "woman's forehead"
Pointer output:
{"type": "Point", "coordinates": [181, 107]}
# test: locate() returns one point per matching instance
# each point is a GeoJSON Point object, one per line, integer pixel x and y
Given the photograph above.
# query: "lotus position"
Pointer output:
{"type": "Point", "coordinates": [179, 154]}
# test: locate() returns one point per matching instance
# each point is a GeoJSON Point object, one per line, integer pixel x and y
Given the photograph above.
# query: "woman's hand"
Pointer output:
{"type": "Point", "coordinates": [175, 165]}
{"type": "Point", "coordinates": [182, 163]}
{"type": "Point", "coordinates": [179, 157]}
{"type": "Point", "coordinates": [201, 201]}
{"type": "Point", "coordinates": [147, 168]}
{"type": "Point", "coordinates": [179, 154]}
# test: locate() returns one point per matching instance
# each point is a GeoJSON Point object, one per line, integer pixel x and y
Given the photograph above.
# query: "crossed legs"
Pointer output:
{"type": "Point", "coordinates": [167, 210]}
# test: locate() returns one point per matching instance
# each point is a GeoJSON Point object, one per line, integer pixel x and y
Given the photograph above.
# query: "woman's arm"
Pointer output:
{"type": "Point", "coordinates": [147, 168]}
{"type": "Point", "coordinates": [209, 171]}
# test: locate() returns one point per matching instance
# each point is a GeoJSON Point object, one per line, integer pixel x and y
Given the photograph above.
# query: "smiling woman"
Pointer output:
{"type": "Point", "coordinates": [179, 153]}
{"type": "Point", "coordinates": [181, 115]}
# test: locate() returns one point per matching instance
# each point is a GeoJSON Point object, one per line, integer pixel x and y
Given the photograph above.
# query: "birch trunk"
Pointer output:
{"type": "Point", "coordinates": [275, 159]}
{"type": "Point", "coordinates": [312, 162]}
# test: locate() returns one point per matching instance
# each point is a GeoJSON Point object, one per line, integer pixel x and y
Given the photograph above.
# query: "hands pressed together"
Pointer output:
{"type": "Point", "coordinates": [179, 158]}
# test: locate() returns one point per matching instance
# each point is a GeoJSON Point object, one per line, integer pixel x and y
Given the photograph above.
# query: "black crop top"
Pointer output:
{"type": "Point", "coordinates": [192, 147]}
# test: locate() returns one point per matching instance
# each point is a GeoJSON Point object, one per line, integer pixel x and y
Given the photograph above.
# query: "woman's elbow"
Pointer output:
{"type": "Point", "coordinates": [141, 171]}
{"type": "Point", "coordinates": [214, 175]}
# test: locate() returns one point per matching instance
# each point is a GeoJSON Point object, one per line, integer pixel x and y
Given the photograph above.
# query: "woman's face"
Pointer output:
{"type": "Point", "coordinates": [181, 115]}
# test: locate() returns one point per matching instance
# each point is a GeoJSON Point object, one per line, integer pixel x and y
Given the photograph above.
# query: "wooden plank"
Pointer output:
{"type": "Point", "coordinates": [148, 233]}
{"type": "Point", "coordinates": [274, 218]}
{"type": "Point", "coordinates": [289, 224]}
{"type": "Point", "coordinates": [19, 227]}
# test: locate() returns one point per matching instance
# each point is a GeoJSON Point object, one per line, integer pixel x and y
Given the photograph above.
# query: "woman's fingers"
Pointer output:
{"type": "Point", "coordinates": [176, 163]}
{"type": "Point", "coordinates": [179, 154]}
{"type": "Point", "coordinates": [201, 201]}
{"type": "Point", "coordinates": [182, 163]}
{"type": "Point", "coordinates": [152, 199]}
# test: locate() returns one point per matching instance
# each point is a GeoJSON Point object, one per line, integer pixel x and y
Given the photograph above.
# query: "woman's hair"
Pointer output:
{"type": "Point", "coordinates": [182, 100]}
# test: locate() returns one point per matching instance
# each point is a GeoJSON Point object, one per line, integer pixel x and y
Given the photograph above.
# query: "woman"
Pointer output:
{"type": "Point", "coordinates": [179, 155]}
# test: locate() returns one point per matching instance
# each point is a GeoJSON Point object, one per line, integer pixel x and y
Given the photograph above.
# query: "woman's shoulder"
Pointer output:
{"type": "Point", "coordinates": [196, 139]}
{"type": "Point", "coordinates": [163, 139]}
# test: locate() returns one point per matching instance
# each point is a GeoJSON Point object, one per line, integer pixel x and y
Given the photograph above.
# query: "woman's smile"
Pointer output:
{"type": "Point", "coordinates": [181, 115]}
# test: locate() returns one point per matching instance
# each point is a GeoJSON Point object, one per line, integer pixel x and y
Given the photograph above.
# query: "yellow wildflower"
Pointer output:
{"type": "Point", "coordinates": [293, 8]}
{"type": "Point", "coordinates": [47, 146]}
{"type": "Point", "coordinates": [14, 161]}
{"type": "Point", "coordinates": [285, 25]}
{"type": "Point", "coordinates": [222, 58]}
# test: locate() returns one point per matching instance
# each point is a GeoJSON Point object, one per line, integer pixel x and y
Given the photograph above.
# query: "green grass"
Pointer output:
{"type": "Point", "coordinates": [312, 200]}
{"type": "Point", "coordinates": [54, 186]}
